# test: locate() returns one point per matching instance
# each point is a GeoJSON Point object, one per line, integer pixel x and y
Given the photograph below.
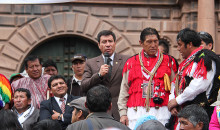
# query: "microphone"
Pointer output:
{"type": "Point", "coordinates": [106, 55]}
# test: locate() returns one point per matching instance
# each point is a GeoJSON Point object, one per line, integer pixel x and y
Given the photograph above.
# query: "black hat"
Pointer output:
{"type": "Point", "coordinates": [79, 57]}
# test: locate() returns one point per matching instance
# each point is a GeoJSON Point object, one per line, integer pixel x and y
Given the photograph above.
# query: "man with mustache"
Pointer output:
{"type": "Point", "coordinates": [105, 69]}
{"type": "Point", "coordinates": [36, 83]}
{"type": "Point", "coordinates": [56, 107]}
{"type": "Point", "coordinates": [145, 84]}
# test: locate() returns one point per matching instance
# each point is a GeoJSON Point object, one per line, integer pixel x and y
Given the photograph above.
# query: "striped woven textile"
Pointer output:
{"type": "Point", "coordinates": [5, 91]}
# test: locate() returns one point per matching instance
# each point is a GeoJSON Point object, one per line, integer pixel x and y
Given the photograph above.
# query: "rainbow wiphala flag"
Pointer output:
{"type": "Point", "coordinates": [5, 91]}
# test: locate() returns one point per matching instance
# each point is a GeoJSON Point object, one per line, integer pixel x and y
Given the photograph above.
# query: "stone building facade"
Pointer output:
{"type": "Point", "coordinates": [23, 28]}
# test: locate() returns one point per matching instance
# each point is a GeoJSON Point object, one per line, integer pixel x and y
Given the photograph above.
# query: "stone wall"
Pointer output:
{"type": "Point", "coordinates": [23, 27]}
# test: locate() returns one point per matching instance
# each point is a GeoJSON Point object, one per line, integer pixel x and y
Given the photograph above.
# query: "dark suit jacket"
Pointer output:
{"type": "Point", "coordinates": [91, 78]}
{"type": "Point", "coordinates": [47, 107]}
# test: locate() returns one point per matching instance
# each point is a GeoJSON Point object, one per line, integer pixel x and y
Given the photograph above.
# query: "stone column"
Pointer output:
{"type": "Point", "coordinates": [206, 17]}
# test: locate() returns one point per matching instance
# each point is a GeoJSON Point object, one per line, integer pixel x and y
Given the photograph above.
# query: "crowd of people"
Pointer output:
{"type": "Point", "coordinates": [147, 91]}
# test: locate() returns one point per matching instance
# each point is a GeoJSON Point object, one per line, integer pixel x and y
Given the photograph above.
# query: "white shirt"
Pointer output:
{"type": "Point", "coordinates": [78, 81]}
{"type": "Point", "coordinates": [196, 86]}
{"type": "Point", "coordinates": [19, 115]}
{"type": "Point", "coordinates": [58, 100]}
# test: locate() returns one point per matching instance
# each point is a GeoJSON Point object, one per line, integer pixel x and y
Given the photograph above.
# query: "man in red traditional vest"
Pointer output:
{"type": "Point", "coordinates": [145, 85]}
{"type": "Point", "coordinates": [194, 82]}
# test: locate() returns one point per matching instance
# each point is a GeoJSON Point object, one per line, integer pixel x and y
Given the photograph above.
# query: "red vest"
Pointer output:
{"type": "Point", "coordinates": [136, 78]}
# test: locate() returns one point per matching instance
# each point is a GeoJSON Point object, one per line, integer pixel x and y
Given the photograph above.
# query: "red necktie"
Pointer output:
{"type": "Point", "coordinates": [62, 105]}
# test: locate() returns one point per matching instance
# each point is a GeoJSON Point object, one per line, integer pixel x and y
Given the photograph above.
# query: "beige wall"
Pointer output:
{"type": "Point", "coordinates": [23, 27]}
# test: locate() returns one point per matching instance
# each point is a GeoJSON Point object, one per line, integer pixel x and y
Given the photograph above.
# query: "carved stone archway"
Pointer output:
{"type": "Point", "coordinates": [26, 38]}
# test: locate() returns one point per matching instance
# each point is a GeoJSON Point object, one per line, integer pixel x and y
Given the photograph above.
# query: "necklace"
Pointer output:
{"type": "Point", "coordinates": [151, 78]}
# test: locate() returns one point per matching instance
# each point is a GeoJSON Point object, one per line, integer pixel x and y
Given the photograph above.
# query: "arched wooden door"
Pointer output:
{"type": "Point", "coordinates": [62, 49]}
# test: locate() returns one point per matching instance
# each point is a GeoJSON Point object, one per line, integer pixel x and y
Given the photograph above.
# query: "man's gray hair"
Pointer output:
{"type": "Point", "coordinates": [195, 114]}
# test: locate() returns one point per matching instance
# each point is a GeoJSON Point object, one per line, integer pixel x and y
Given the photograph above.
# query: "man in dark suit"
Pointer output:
{"type": "Point", "coordinates": [105, 71]}
{"type": "Point", "coordinates": [56, 107]}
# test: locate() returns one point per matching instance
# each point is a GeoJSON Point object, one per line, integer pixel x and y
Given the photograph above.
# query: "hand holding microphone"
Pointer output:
{"type": "Point", "coordinates": [106, 55]}
{"type": "Point", "coordinates": [105, 68]}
